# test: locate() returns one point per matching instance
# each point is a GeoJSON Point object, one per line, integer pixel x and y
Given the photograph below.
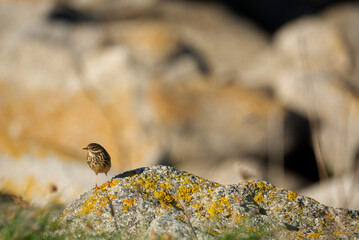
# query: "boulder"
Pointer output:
{"type": "Point", "coordinates": [162, 201]}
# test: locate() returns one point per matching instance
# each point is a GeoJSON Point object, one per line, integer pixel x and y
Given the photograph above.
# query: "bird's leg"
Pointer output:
{"type": "Point", "coordinates": [108, 182]}
{"type": "Point", "coordinates": [96, 187]}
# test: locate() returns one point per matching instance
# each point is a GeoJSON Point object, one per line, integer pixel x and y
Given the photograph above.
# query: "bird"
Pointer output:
{"type": "Point", "coordinates": [98, 160]}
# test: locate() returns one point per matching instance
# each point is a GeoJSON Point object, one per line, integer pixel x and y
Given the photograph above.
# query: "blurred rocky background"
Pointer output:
{"type": "Point", "coordinates": [226, 90]}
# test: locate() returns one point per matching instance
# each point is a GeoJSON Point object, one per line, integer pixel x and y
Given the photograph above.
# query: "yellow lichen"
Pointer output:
{"type": "Point", "coordinates": [323, 223]}
{"type": "Point", "coordinates": [129, 202]}
{"type": "Point", "coordinates": [215, 184]}
{"type": "Point", "coordinates": [213, 232]}
{"type": "Point", "coordinates": [238, 218]}
{"type": "Point", "coordinates": [198, 207]}
{"type": "Point", "coordinates": [259, 198]}
{"type": "Point", "coordinates": [212, 210]}
{"type": "Point", "coordinates": [180, 218]}
{"type": "Point", "coordinates": [185, 193]}
{"type": "Point", "coordinates": [250, 182]}
{"type": "Point", "coordinates": [163, 196]}
{"type": "Point", "coordinates": [114, 182]}
{"type": "Point", "coordinates": [165, 186]}
{"type": "Point", "coordinates": [210, 191]}
{"type": "Point", "coordinates": [64, 214]}
{"type": "Point", "coordinates": [338, 232]}
{"type": "Point", "coordinates": [292, 196]}
{"type": "Point", "coordinates": [249, 229]}
{"type": "Point", "coordinates": [133, 175]}
{"type": "Point", "coordinates": [313, 235]}
{"type": "Point", "coordinates": [273, 196]}
{"type": "Point", "coordinates": [262, 186]}
{"type": "Point", "coordinates": [149, 185]}
{"type": "Point", "coordinates": [219, 206]}
{"type": "Point", "coordinates": [95, 201]}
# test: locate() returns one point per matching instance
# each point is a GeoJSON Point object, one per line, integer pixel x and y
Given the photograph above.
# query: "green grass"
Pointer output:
{"type": "Point", "coordinates": [18, 220]}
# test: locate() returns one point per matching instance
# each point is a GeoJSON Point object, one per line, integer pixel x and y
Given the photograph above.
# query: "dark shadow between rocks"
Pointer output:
{"type": "Point", "coordinates": [301, 159]}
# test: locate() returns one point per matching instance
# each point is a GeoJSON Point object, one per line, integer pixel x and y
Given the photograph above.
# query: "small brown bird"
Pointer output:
{"type": "Point", "coordinates": [98, 159]}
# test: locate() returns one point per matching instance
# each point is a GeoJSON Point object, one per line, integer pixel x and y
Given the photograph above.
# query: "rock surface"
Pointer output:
{"type": "Point", "coordinates": [162, 200]}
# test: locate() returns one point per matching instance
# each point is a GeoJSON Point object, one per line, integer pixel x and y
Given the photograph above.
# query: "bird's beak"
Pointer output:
{"type": "Point", "coordinates": [85, 148]}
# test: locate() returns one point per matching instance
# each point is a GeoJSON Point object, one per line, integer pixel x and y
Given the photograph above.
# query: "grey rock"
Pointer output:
{"type": "Point", "coordinates": [161, 200]}
{"type": "Point", "coordinates": [341, 191]}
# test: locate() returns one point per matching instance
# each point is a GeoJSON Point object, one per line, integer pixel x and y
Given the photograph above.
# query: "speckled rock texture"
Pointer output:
{"type": "Point", "coordinates": [160, 200]}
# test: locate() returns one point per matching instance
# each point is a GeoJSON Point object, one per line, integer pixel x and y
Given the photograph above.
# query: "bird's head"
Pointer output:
{"type": "Point", "coordinates": [94, 148]}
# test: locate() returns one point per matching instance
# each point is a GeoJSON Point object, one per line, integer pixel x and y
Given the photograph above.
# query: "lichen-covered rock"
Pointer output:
{"type": "Point", "coordinates": [162, 200]}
